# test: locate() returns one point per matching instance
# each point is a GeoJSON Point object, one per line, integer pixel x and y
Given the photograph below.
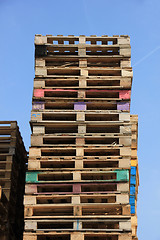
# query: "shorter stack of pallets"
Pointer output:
{"type": "Point", "coordinates": [13, 158]}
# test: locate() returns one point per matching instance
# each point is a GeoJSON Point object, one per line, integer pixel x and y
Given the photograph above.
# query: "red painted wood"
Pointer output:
{"type": "Point", "coordinates": [124, 94]}
{"type": "Point", "coordinates": [38, 92]}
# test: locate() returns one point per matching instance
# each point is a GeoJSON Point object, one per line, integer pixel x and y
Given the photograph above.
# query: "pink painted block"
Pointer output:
{"type": "Point", "coordinates": [124, 94]}
{"type": "Point", "coordinates": [38, 105]}
{"type": "Point", "coordinates": [29, 189]}
{"type": "Point", "coordinates": [80, 106]}
{"type": "Point", "coordinates": [38, 92]}
{"type": "Point", "coordinates": [76, 188]}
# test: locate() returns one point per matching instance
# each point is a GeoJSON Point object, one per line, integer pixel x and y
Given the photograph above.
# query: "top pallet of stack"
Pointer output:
{"type": "Point", "coordinates": [11, 139]}
{"type": "Point", "coordinates": [83, 45]}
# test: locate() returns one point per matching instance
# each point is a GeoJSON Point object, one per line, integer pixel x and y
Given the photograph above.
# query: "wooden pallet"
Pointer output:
{"type": "Point", "coordinates": [76, 188]}
{"type": "Point", "coordinates": [100, 116]}
{"type": "Point", "coordinates": [74, 62]}
{"type": "Point", "coordinates": [98, 82]}
{"type": "Point", "coordinates": [87, 142]}
{"type": "Point", "coordinates": [106, 224]}
{"type": "Point", "coordinates": [82, 46]}
{"type": "Point", "coordinates": [76, 236]}
{"type": "Point", "coordinates": [80, 151]}
{"type": "Point", "coordinates": [110, 198]}
{"type": "Point", "coordinates": [77, 176]}
{"type": "Point", "coordinates": [106, 40]}
{"type": "Point", "coordinates": [80, 104]}
{"type": "Point", "coordinates": [54, 71]}
{"type": "Point", "coordinates": [62, 164]}
{"type": "Point", "coordinates": [51, 93]}
{"type": "Point", "coordinates": [68, 210]}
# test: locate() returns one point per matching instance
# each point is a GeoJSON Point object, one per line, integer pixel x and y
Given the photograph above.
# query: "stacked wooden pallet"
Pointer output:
{"type": "Point", "coordinates": [78, 179]}
{"type": "Point", "coordinates": [13, 157]}
{"type": "Point", "coordinates": [3, 214]}
{"type": "Point", "coordinates": [134, 176]}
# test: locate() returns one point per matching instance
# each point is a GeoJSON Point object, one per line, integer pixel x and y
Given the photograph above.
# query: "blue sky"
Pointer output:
{"type": "Point", "coordinates": [20, 20]}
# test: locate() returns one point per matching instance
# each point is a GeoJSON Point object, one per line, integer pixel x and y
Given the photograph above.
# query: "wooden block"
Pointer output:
{"type": "Point", "coordinates": [82, 83]}
{"type": "Point", "coordinates": [27, 236]}
{"type": "Point", "coordinates": [126, 52]}
{"type": "Point", "coordinates": [79, 151]}
{"type": "Point", "coordinates": [122, 198]}
{"type": "Point", "coordinates": [81, 94]}
{"type": "Point", "coordinates": [39, 84]}
{"type": "Point", "coordinates": [123, 40]}
{"type": "Point", "coordinates": [126, 210]}
{"type": "Point", "coordinates": [78, 164]}
{"type": "Point", "coordinates": [30, 225]}
{"type": "Point", "coordinates": [75, 199]}
{"type": "Point", "coordinates": [126, 141]}
{"type": "Point", "coordinates": [40, 62]}
{"type": "Point", "coordinates": [34, 152]}
{"type": "Point", "coordinates": [40, 40]}
{"type": "Point", "coordinates": [38, 130]}
{"type": "Point", "coordinates": [124, 236]}
{"type": "Point", "coordinates": [28, 211]}
{"type": "Point", "coordinates": [77, 236]}
{"type": "Point", "coordinates": [125, 225]}
{"type": "Point", "coordinates": [82, 51]}
{"type": "Point", "coordinates": [76, 176]}
{"type": "Point", "coordinates": [82, 63]}
{"type": "Point", "coordinates": [124, 163]}
{"type": "Point", "coordinates": [124, 117]}
{"type": "Point", "coordinates": [123, 187]}
{"type": "Point", "coordinates": [30, 189]}
{"type": "Point", "coordinates": [80, 141]}
{"type": "Point", "coordinates": [40, 71]}
{"type": "Point", "coordinates": [134, 225]}
{"type": "Point", "coordinates": [134, 153]}
{"type": "Point", "coordinates": [125, 151]}
{"type": "Point", "coordinates": [81, 128]}
{"type": "Point", "coordinates": [36, 116]}
{"type": "Point", "coordinates": [38, 92]}
{"type": "Point", "coordinates": [125, 63]}
{"type": "Point", "coordinates": [34, 165]}
{"type": "Point", "coordinates": [29, 200]}
{"type": "Point", "coordinates": [80, 106]}
{"type": "Point", "coordinates": [84, 72]}
{"type": "Point", "coordinates": [82, 39]}
{"type": "Point", "coordinates": [125, 129]}
{"type": "Point", "coordinates": [80, 116]}
{"type": "Point", "coordinates": [126, 82]}
{"type": "Point", "coordinates": [134, 163]}
{"type": "Point", "coordinates": [77, 211]}
{"type": "Point", "coordinates": [36, 141]}
{"type": "Point", "coordinates": [126, 73]}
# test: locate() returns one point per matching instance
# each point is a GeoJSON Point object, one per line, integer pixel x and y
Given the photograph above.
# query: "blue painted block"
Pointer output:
{"type": "Point", "coordinates": [132, 190]}
{"type": "Point", "coordinates": [133, 180]}
{"type": "Point", "coordinates": [132, 200]}
{"type": "Point", "coordinates": [132, 209]}
{"type": "Point", "coordinates": [133, 170]}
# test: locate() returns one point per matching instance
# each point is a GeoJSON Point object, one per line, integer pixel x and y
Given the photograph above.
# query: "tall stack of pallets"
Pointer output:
{"type": "Point", "coordinates": [13, 158]}
{"type": "Point", "coordinates": [82, 142]}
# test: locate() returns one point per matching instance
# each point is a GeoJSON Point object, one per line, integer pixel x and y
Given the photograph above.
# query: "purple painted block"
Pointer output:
{"type": "Point", "coordinates": [38, 105]}
{"type": "Point", "coordinates": [123, 106]}
{"type": "Point", "coordinates": [80, 106]}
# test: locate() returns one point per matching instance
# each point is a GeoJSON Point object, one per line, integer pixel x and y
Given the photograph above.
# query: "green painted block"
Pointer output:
{"type": "Point", "coordinates": [32, 177]}
{"type": "Point", "coordinates": [122, 175]}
